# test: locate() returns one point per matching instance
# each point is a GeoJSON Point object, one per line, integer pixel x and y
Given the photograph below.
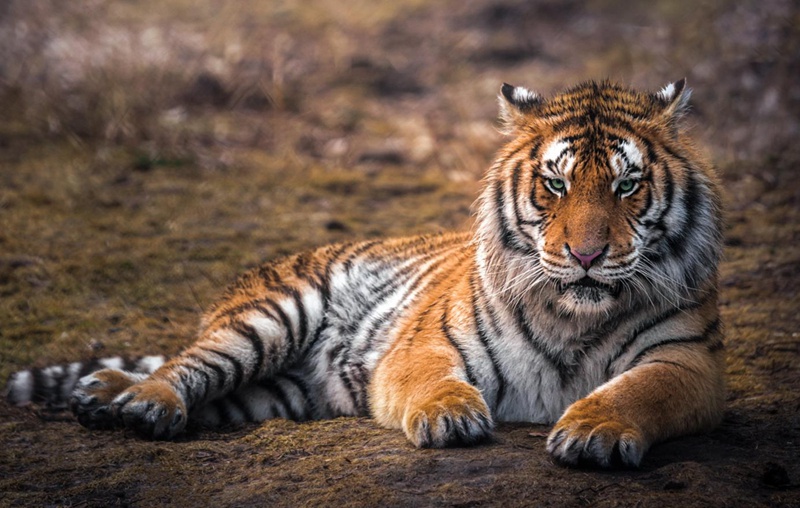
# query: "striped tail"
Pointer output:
{"type": "Point", "coordinates": [52, 386]}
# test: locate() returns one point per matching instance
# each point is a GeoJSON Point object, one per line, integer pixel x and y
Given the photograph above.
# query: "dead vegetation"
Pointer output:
{"type": "Point", "coordinates": [152, 150]}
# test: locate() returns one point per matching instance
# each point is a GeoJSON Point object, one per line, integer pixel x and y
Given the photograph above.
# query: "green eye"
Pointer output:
{"type": "Point", "coordinates": [557, 185]}
{"type": "Point", "coordinates": [625, 186]}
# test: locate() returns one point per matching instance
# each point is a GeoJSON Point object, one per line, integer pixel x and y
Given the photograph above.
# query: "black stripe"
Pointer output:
{"type": "Point", "coordinates": [448, 333]}
{"type": "Point", "coordinates": [219, 371]}
{"type": "Point", "coordinates": [236, 401]}
{"type": "Point", "coordinates": [648, 202]}
{"type": "Point", "coordinates": [507, 237]}
{"type": "Point", "coordinates": [632, 226]}
{"type": "Point", "coordinates": [184, 387]}
{"type": "Point", "coordinates": [269, 274]}
{"type": "Point", "coordinates": [359, 373]}
{"type": "Point", "coordinates": [565, 371]}
{"type": "Point", "coordinates": [249, 332]}
{"type": "Point", "coordinates": [669, 197]}
{"type": "Point", "coordinates": [692, 194]}
{"type": "Point", "coordinates": [302, 317]}
{"type": "Point", "coordinates": [710, 329]}
{"type": "Point", "coordinates": [484, 340]}
{"type": "Point", "coordinates": [592, 117]}
{"type": "Point", "coordinates": [334, 352]}
{"type": "Point", "coordinates": [306, 268]}
{"type": "Point", "coordinates": [675, 240]}
{"type": "Point", "coordinates": [40, 392]}
{"type": "Point", "coordinates": [129, 364]}
{"type": "Point", "coordinates": [515, 197]}
{"type": "Point", "coordinates": [287, 324]}
{"type": "Point", "coordinates": [258, 304]}
{"type": "Point", "coordinates": [412, 284]}
{"type": "Point", "coordinates": [534, 201]}
{"type": "Point", "coordinates": [339, 368]}
{"type": "Point", "coordinates": [648, 325]}
{"type": "Point", "coordinates": [280, 395]}
{"type": "Point", "coordinates": [351, 390]}
{"type": "Point", "coordinates": [597, 337]}
{"type": "Point", "coordinates": [236, 364]}
{"type": "Point", "coordinates": [206, 382]}
{"type": "Point", "coordinates": [396, 280]}
{"type": "Point", "coordinates": [325, 291]}
{"type": "Point", "coordinates": [304, 391]}
{"type": "Point", "coordinates": [651, 153]}
{"type": "Point", "coordinates": [361, 249]}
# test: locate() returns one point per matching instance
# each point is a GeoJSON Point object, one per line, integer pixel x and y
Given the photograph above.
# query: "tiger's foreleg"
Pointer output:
{"type": "Point", "coordinates": [420, 386]}
{"type": "Point", "coordinates": [677, 391]}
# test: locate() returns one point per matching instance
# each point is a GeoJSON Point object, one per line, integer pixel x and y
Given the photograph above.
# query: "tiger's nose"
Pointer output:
{"type": "Point", "coordinates": [584, 257]}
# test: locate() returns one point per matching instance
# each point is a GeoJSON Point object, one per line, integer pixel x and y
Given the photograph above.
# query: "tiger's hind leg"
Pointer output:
{"type": "Point", "coordinates": [284, 396]}
{"type": "Point", "coordinates": [265, 323]}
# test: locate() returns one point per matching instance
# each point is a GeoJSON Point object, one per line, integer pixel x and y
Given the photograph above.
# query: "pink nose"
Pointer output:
{"type": "Point", "coordinates": [586, 259]}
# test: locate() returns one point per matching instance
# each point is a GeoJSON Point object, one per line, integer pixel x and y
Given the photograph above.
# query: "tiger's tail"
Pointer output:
{"type": "Point", "coordinates": [52, 386]}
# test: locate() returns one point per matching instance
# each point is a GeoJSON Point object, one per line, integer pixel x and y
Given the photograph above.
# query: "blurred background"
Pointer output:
{"type": "Point", "coordinates": [151, 149]}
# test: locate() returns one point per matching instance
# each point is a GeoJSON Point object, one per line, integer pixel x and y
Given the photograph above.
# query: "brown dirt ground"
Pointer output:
{"type": "Point", "coordinates": [152, 150]}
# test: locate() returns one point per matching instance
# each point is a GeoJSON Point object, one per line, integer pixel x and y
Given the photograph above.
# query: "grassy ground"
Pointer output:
{"type": "Point", "coordinates": [150, 151]}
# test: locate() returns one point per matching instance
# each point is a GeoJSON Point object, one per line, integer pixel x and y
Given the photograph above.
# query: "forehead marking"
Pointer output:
{"type": "Point", "coordinates": [558, 156]}
{"type": "Point", "coordinates": [626, 155]}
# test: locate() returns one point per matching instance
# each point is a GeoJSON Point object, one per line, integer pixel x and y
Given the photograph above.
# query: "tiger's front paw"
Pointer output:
{"type": "Point", "coordinates": [91, 398]}
{"type": "Point", "coordinates": [589, 433]}
{"type": "Point", "coordinates": [456, 414]}
{"type": "Point", "coordinates": [152, 408]}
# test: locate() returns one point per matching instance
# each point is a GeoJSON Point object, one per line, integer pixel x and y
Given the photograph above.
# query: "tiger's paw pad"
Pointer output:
{"type": "Point", "coordinates": [450, 420]}
{"type": "Point", "coordinates": [596, 442]}
{"type": "Point", "coordinates": [151, 408]}
{"type": "Point", "coordinates": [91, 398]}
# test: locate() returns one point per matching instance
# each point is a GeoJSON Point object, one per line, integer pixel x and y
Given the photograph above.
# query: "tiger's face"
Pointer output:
{"type": "Point", "coordinates": [592, 198]}
{"type": "Point", "coordinates": [588, 194]}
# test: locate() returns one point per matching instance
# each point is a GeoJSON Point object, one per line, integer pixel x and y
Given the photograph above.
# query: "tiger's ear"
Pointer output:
{"type": "Point", "coordinates": [674, 98]}
{"type": "Point", "coordinates": [516, 103]}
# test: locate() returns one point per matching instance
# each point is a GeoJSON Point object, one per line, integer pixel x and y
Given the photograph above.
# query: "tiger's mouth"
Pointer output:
{"type": "Point", "coordinates": [589, 289]}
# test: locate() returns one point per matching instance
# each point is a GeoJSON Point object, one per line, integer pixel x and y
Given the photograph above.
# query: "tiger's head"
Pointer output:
{"type": "Point", "coordinates": [598, 199]}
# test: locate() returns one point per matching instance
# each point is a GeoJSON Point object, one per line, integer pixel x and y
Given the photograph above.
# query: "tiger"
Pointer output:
{"type": "Point", "coordinates": [584, 296]}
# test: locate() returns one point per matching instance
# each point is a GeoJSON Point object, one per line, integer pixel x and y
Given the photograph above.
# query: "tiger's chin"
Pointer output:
{"type": "Point", "coordinates": [588, 296]}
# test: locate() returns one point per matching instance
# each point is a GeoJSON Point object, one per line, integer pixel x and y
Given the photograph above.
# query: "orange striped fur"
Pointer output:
{"type": "Point", "coordinates": [586, 296]}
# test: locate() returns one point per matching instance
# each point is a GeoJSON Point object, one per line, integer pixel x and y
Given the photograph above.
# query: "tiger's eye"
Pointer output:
{"type": "Point", "coordinates": [557, 184]}
{"type": "Point", "coordinates": [626, 185]}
